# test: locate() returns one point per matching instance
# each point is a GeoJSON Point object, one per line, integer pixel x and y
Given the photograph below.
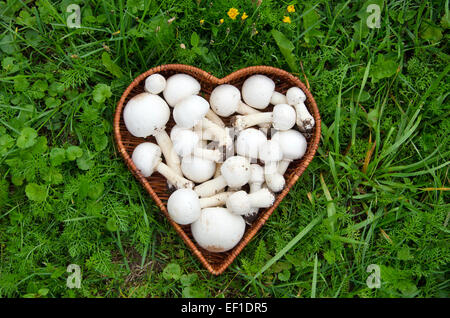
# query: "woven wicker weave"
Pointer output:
{"type": "Point", "coordinates": [156, 185]}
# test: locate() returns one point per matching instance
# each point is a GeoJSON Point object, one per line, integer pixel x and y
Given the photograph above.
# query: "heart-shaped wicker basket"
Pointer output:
{"type": "Point", "coordinates": [156, 185]}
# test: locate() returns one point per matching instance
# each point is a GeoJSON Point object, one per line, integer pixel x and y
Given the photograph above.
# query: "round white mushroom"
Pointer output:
{"type": "Point", "coordinates": [249, 142]}
{"type": "Point", "coordinates": [197, 169]}
{"type": "Point", "coordinates": [257, 91]}
{"type": "Point", "coordinates": [155, 84]}
{"type": "Point", "coordinates": [180, 86]}
{"type": "Point", "coordinates": [218, 230]}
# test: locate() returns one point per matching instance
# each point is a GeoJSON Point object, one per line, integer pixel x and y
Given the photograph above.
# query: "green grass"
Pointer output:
{"type": "Point", "coordinates": [376, 192]}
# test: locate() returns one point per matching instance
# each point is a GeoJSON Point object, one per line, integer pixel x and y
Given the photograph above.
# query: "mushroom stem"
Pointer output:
{"type": "Point", "coordinates": [208, 154]}
{"type": "Point", "coordinates": [215, 201]}
{"type": "Point", "coordinates": [212, 116]}
{"type": "Point", "coordinates": [211, 187]}
{"type": "Point", "coordinates": [243, 122]}
{"type": "Point", "coordinates": [262, 198]}
{"type": "Point", "coordinates": [221, 134]}
{"type": "Point", "coordinates": [275, 181]}
{"type": "Point", "coordinates": [283, 165]}
{"type": "Point", "coordinates": [305, 121]}
{"type": "Point", "coordinates": [244, 109]}
{"type": "Point", "coordinates": [166, 145]}
{"type": "Point", "coordinates": [255, 187]}
{"type": "Point", "coordinates": [244, 204]}
{"type": "Point", "coordinates": [172, 177]}
{"type": "Point", "coordinates": [218, 172]}
{"type": "Point", "coordinates": [278, 98]}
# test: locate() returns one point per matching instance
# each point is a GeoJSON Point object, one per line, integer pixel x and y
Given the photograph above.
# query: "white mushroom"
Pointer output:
{"type": "Point", "coordinates": [180, 86]}
{"type": "Point", "coordinates": [296, 97]}
{"type": "Point", "coordinates": [187, 142]}
{"type": "Point", "coordinates": [147, 115]}
{"type": "Point", "coordinates": [191, 111]}
{"type": "Point", "coordinates": [218, 230]}
{"type": "Point", "coordinates": [257, 91]}
{"type": "Point", "coordinates": [271, 153]}
{"type": "Point", "coordinates": [235, 173]}
{"type": "Point", "coordinates": [249, 142]}
{"type": "Point", "coordinates": [147, 158]}
{"type": "Point", "coordinates": [197, 169]}
{"type": "Point", "coordinates": [155, 84]}
{"type": "Point", "coordinates": [242, 203]}
{"type": "Point", "coordinates": [184, 205]}
{"type": "Point", "coordinates": [293, 145]}
{"type": "Point", "coordinates": [282, 118]}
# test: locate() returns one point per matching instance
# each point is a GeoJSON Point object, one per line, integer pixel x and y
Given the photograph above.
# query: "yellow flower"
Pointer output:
{"type": "Point", "coordinates": [286, 19]}
{"type": "Point", "coordinates": [291, 8]}
{"type": "Point", "coordinates": [233, 13]}
{"type": "Point", "coordinates": [244, 16]}
{"type": "Point", "coordinates": [202, 21]}
{"type": "Point", "coordinates": [221, 21]}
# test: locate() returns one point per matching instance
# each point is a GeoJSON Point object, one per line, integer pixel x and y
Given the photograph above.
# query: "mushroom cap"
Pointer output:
{"type": "Point", "coordinates": [145, 114]}
{"type": "Point", "coordinates": [292, 143]}
{"type": "Point", "coordinates": [146, 157]}
{"type": "Point", "coordinates": [225, 99]}
{"type": "Point", "coordinates": [239, 203]}
{"type": "Point", "coordinates": [295, 96]}
{"type": "Point", "coordinates": [236, 171]}
{"type": "Point", "coordinates": [184, 140]}
{"type": "Point", "coordinates": [256, 174]}
{"type": "Point", "coordinates": [197, 169]}
{"type": "Point", "coordinates": [155, 83]}
{"type": "Point", "coordinates": [180, 86]}
{"type": "Point", "coordinates": [189, 111]}
{"type": "Point", "coordinates": [270, 151]}
{"type": "Point", "coordinates": [257, 91]}
{"type": "Point", "coordinates": [218, 230]}
{"type": "Point", "coordinates": [184, 206]}
{"type": "Point", "coordinates": [249, 141]}
{"type": "Point", "coordinates": [283, 117]}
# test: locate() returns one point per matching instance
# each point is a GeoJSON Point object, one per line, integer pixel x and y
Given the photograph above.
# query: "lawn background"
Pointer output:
{"type": "Point", "coordinates": [376, 192]}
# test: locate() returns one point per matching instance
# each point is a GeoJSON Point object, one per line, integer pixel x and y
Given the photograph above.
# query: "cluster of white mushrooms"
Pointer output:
{"type": "Point", "coordinates": [210, 164]}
